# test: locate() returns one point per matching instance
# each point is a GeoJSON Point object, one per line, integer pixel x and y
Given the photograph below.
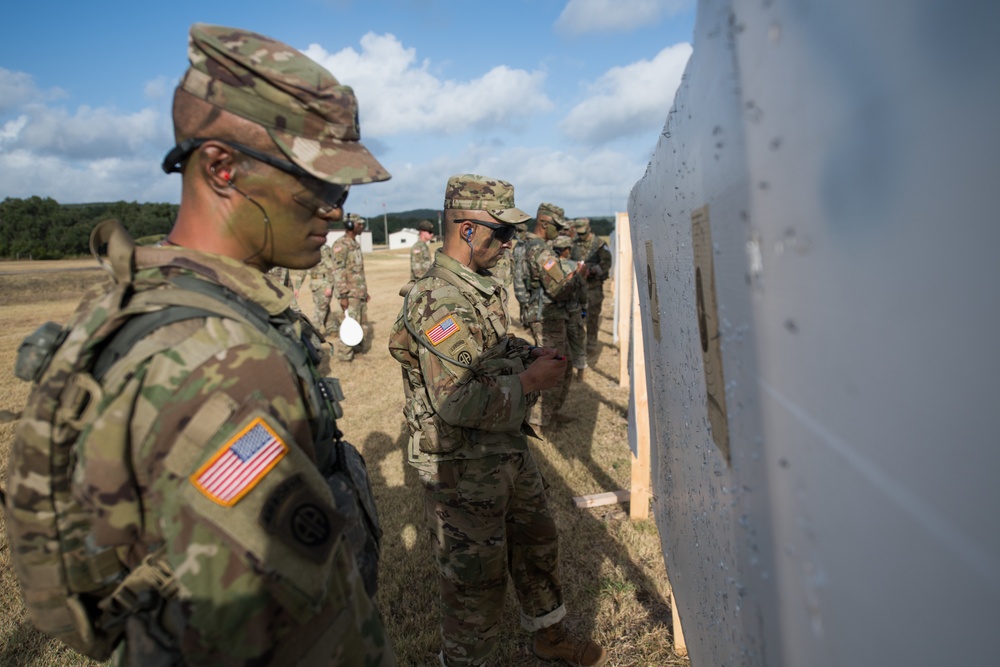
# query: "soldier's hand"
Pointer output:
{"type": "Point", "coordinates": [343, 304]}
{"type": "Point", "coordinates": [328, 292]}
{"type": "Point", "coordinates": [545, 372]}
{"type": "Point", "coordinates": [368, 297]}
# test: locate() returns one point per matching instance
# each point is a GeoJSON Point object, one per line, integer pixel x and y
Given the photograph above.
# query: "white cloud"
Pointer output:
{"type": "Point", "coordinates": [18, 89]}
{"type": "Point", "coordinates": [26, 174]}
{"type": "Point", "coordinates": [92, 133]}
{"type": "Point", "coordinates": [629, 100]}
{"type": "Point", "coordinates": [585, 183]}
{"type": "Point", "coordinates": [11, 130]}
{"type": "Point", "coordinates": [585, 16]}
{"type": "Point", "coordinates": [397, 94]}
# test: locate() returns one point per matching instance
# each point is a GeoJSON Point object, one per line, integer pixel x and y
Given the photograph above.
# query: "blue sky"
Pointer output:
{"type": "Point", "coordinates": [565, 99]}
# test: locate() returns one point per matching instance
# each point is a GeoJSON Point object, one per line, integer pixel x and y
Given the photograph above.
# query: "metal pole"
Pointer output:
{"type": "Point", "coordinates": [385, 225]}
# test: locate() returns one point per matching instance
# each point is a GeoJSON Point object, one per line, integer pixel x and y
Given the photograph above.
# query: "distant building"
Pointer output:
{"type": "Point", "coordinates": [365, 239]}
{"type": "Point", "coordinates": [404, 238]}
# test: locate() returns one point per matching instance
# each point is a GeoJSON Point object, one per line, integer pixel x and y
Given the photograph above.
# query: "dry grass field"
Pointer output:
{"type": "Point", "coordinates": [613, 569]}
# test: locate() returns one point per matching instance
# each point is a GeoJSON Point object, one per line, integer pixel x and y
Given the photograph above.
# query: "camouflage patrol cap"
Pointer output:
{"type": "Point", "coordinates": [425, 226]}
{"type": "Point", "coordinates": [557, 213]}
{"type": "Point", "coordinates": [472, 192]}
{"type": "Point", "coordinates": [562, 242]}
{"type": "Point", "coordinates": [582, 224]}
{"type": "Point", "coordinates": [310, 116]}
{"type": "Point", "coordinates": [353, 217]}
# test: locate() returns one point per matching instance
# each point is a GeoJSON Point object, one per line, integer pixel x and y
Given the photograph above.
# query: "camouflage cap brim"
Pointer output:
{"type": "Point", "coordinates": [557, 213]}
{"type": "Point", "coordinates": [511, 216]}
{"type": "Point", "coordinates": [343, 162]}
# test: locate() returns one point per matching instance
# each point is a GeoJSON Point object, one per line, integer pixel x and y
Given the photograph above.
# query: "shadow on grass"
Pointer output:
{"type": "Point", "coordinates": [588, 536]}
{"type": "Point", "coordinates": [23, 646]}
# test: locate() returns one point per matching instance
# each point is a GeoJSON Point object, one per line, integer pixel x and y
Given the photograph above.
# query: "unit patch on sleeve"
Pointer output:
{"type": "Point", "coordinates": [442, 330]}
{"type": "Point", "coordinates": [240, 463]}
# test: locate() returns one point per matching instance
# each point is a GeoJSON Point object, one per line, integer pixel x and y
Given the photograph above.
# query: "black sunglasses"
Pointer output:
{"type": "Point", "coordinates": [331, 195]}
{"type": "Point", "coordinates": [502, 233]}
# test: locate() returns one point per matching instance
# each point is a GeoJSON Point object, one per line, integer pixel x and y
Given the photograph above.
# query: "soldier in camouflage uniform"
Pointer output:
{"type": "Point", "coordinates": [420, 254]}
{"type": "Point", "coordinates": [349, 286]}
{"type": "Point", "coordinates": [576, 332]}
{"type": "Point", "coordinates": [550, 287]}
{"type": "Point", "coordinates": [320, 281]}
{"type": "Point", "coordinates": [468, 385]}
{"type": "Point", "coordinates": [517, 274]}
{"type": "Point", "coordinates": [261, 572]}
{"type": "Point", "coordinates": [549, 223]}
{"type": "Point", "coordinates": [589, 248]}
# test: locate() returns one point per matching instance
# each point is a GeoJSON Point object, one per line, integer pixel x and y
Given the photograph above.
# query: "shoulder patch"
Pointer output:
{"type": "Point", "coordinates": [549, 264]}
{"type": "Point", "coordinates": [442, 330]}
{"type": "Point", "coordinates": [240, 463]}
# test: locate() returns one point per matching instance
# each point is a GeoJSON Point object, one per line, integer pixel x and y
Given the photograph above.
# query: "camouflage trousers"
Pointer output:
{"type": "Point", "coordinates": [554, 334]}
{"type": "Point", "coordinates": [358, 309]}
{"type": "Point", "coordinates": [489, 517]}
{"type": "Point", "coordinates": [595, 300]}
{"type": "Point", "coordinates": [321, 310]}
{"type": "Point", "coordinates": [576, 336]}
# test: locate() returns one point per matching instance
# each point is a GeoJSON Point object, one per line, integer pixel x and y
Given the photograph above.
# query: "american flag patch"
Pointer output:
{"type": "Point", "coordinates": [442, 330]}
{"type": "Point", "coordinates": [240, 464]}
{"type": "Point", "coordinates": [549, 264]}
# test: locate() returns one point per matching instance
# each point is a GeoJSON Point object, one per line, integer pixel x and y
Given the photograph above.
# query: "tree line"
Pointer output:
{"type": "Point", "coordinates": [42, 228]}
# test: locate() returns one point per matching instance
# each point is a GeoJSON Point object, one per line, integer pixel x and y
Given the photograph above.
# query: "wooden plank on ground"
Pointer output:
{"type": "Point", "coordinates": [598, 499]}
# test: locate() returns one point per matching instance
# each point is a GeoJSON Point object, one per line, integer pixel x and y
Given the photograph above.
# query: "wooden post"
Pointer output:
{"type": "Point", "coordinates": [641, 475]}
{"type": "Point", "coordinates": [623, 292]}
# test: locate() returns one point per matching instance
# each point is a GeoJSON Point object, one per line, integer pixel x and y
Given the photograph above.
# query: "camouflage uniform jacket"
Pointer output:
{"type": "Point", "coordinates": [319, 275]}
{"type": "Point", "coordinates": [250, 591]}
{"type": "Point", "coordinates": [597, 255]}
{"type": "Point", "coordinates": [348, 269]}
{"type": "Point", "coordinates": [548, 283]}
{"type": "Point", "coordinates": [477, 412]}
{"type": "Point", "coordinates": [420, 259]}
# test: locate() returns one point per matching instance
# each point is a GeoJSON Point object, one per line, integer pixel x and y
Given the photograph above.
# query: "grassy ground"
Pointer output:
{"type": "Point", "coordinates": [613, 572]}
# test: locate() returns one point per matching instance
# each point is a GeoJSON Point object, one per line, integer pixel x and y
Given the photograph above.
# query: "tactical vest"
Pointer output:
{"type": "Point", "coordinates": [74, 590]}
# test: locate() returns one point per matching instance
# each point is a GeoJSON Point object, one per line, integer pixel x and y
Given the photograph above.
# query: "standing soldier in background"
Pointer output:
{"type": "Point", "coordinates": [349, 287]}
{"type": "Point", "coordinates": [548, 222]}
{"type": "Point", "coordinates": [576, 305]}
{"type": "Point", "coordinates": [320, 281]}
{"type": "Point", "coordinates": [205, 464]}
{"type": "Point", "coordinates": [420, 255]}
{"type": "Point", "coordinates": [518, 277]}
{"type": "Point", "coordinates": [589, 248]}
{"type": "Point", "coordinates": [576, 308]}
{"type": "Point", "coordinates": [550, 287]}
{"type": "Point", "coordinates": [468, 385]}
